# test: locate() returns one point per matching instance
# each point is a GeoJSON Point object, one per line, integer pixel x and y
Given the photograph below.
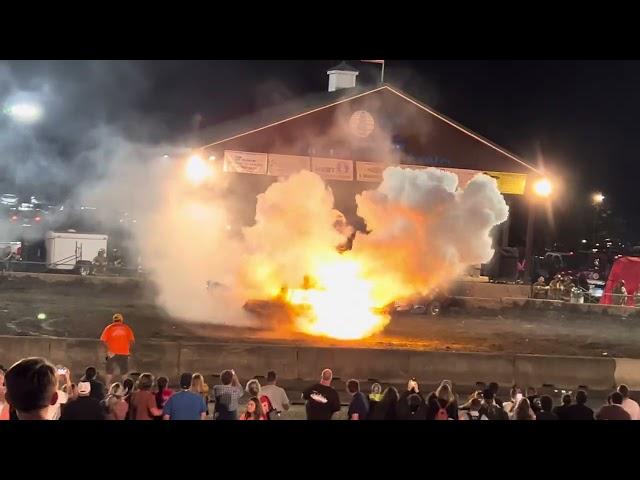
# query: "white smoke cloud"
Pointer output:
{"type": "Point", "coordinates": [424, 232]}
{"type": "Point", "coordinates": [295, 225]}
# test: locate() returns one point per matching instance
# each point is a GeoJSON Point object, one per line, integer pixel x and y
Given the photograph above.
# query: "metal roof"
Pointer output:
{"type": "Point", "coordinates": [343, 67]}
{"type": "Point", "coordinates": [318, 101]}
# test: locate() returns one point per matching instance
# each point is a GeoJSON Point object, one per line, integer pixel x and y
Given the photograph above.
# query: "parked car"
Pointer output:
{"type": "Point", "coordinates": [431, 305]}
{"type": "Point", "coordinates": [9, 199]}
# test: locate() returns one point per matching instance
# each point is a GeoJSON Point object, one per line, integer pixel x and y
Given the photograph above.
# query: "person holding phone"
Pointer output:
{"type": "Point", "coordinates": [227, 396]}
{"type": "Point", "coordinates": [411, 404]}
{"type": "Point", "coordinates": [64, 385]}
{"type": "Point", "coordinates": [516, 396]}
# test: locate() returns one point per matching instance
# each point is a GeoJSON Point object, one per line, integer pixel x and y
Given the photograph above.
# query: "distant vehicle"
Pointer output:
{"type": "Point", "coordinates": [73, 252]}
{"type": "Point", "coordinates": [431, 305]}
{"type": "Point", "coordinates": [8, 199]}
{"type": "Point", "coordinates": [572, 264]}
{"type": "Point", "coordinates": [26, 218]}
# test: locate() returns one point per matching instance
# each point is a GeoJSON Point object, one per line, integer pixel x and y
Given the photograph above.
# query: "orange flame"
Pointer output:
{"type": "Point", "coordinates": [341, 305]}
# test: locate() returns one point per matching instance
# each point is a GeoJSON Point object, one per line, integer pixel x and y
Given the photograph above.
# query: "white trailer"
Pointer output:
{"type": "Point", "coordinates": [73, 251]}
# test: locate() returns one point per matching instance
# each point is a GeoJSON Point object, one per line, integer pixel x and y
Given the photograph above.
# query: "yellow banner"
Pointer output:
{"type": "Point", "coordinates": [510, 183]}
{"type": "Point", "coordinates": [335, 169]}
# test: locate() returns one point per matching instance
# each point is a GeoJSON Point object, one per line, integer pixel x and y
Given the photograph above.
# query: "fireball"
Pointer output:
{"type": "Point", "coordinates": [340, 303]}
{"type": "Point", "coordinates": [197, 170]}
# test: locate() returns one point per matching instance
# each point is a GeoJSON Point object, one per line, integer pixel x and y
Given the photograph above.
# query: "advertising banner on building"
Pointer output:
{"type": "Point", "coordinates": [369, 171]}
{"type": "Point", "coordinates": [285, 165]}
{"type": "Point", "coordinates": [332, 168]}
{"type": "Point", "coordinates": [510, 183]}
{"type": "Point", "coordinates": [337, 169]}
{"type": "Point", "coordinates": [245, 162]}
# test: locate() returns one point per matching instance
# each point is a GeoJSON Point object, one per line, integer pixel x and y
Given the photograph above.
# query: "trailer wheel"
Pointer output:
{"type": "Point", "coordinates": [83, 270]}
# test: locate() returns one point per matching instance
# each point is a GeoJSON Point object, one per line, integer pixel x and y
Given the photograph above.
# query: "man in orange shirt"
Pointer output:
{"type": "Point", "coordinates": [117, 338]}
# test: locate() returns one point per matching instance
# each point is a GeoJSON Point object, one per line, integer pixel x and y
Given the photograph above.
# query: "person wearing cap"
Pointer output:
{"type": "Point", "coordinates": [84, 407]}
{"type": "Point", "coordinates": [117, 338]}
{"type": "Point", "coordinates": [185, 404]}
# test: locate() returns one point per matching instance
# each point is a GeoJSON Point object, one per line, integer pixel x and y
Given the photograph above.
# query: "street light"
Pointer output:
{"type": "Point", "coordinates": [597, 198]}
{"type": "Point", "coordinates": [198, 170]}
{"type": "Point", "coordinates": [542, 189]}
{"type": "Point", "coordinates": [25, 112]}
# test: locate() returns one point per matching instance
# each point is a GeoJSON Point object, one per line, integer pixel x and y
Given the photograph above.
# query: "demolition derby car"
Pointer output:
{"type": "Point", "coordinates": [431, 305]}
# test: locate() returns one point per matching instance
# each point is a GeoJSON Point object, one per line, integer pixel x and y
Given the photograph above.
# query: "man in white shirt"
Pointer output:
{"type": "Point", "coordinates": [631, 406]}
{"type": "Point", "coordinates": [277, 396]}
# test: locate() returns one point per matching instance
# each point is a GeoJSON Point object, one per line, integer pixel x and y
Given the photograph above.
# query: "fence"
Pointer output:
{"type": "Point", "coordinates": [24, 266]}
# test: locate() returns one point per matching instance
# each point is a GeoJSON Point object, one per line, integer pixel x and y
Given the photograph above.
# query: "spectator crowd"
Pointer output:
{"type": "Point", "coordinates": [33, 389]}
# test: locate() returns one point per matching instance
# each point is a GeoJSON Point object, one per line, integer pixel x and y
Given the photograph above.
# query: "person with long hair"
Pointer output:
{"type": "Point", "coordinates": [115, 403]}
{"type": "Point", "coordinates": [374, 397]}
{"type": "Point", "coordinates": [253, 410]}
{"type": "Point", "coordinates": [523, 410]}
{"type": "Point", "coordinates": [143, 401]}
{"type": "Point", "coordinates": [162, 391]}
{"type": "Point", "coordinates": [267, 408]}
{"type": "Point", "coordinates": [516, 395]}
{"type": "Point", "coordinates": [129, 387]}
{"type": "Point", "coordinates": [386, 409]}
{"type": "Point", "coordinates": [199, 386]}
{"type": "Point", "coordinates": [442, 404]}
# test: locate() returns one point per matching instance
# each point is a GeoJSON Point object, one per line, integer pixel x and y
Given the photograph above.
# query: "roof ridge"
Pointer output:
{"type": "Point", "coordinates": [459, 126]}
{"type": "Point", "coordinates": [357, 93]}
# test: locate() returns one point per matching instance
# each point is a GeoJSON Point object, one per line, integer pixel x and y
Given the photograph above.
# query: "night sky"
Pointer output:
{"type": "Point", "coordinates": [579, 116]}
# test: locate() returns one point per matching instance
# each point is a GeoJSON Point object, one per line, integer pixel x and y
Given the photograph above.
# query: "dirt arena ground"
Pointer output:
{"type": "Point", "coordinates": [80, 309]}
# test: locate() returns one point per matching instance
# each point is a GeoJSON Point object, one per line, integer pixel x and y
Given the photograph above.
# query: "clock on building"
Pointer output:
{"type": "Point", "coordinates": [361, 123]}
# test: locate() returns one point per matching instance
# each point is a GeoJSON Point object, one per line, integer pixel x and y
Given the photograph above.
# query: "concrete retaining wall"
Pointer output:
{"type": "Point", "coordinates": [537, 370]}
{"type": "Point", "coordinates": [489, 290]}
{"type": "Point", "coordinates": [628, 372]}
{"type": "Point", "coordinates": [535, 305]}
{"type": "Point", "coordinates": [305, 363]}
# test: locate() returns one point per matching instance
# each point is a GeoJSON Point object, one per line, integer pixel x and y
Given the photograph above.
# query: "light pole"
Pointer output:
{"type": "Point", "coordinates": [542, 189]}
{"type": "Point", "coordinates": [596, 199]}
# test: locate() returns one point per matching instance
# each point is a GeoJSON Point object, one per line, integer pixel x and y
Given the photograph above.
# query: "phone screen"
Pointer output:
{"type": "Point", "coordinates": [62, 371]}
{"type": "Point", "coordinates": [518, 397]}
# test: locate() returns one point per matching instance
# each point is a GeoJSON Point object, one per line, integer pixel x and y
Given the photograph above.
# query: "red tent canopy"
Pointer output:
{"type": "Point", "coordinates": [627, 269]}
